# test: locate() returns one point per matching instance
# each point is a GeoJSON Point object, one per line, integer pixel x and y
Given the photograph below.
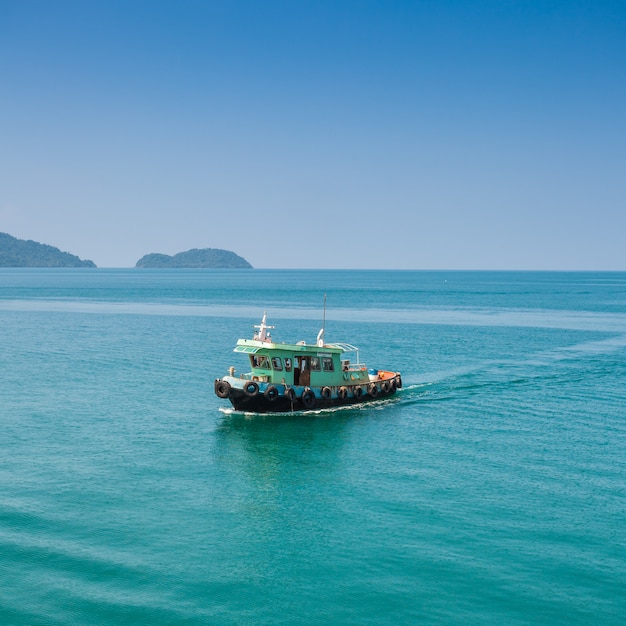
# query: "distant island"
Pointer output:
{"type": "Point", "coordinates": [26, 253]}
{"type": "Point", "coordinates": [196, 258]}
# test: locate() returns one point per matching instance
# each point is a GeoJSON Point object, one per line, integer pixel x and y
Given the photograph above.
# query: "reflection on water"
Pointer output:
{"type": "Point", "coordinates": [272, 447]}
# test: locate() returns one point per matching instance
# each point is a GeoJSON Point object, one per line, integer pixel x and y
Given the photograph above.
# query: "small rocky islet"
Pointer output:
{"type": "Point", "coordinates": [195, 258]}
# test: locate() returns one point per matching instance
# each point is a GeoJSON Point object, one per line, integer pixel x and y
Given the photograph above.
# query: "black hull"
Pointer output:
{"type": "Point", "coordinates": [259, 403]}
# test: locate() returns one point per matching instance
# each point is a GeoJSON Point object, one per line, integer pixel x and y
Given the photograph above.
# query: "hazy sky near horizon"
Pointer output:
{"type": "Point", "coordinates": [318, 134]}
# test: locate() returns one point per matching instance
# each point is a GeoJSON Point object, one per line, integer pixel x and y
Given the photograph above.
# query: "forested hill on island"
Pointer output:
{"type": "Point", "coordinates": [27, 253]}
{"type": "Point", "coordinates": [22, 253]}
{"type": "Point", "coordinates": [196, 258]}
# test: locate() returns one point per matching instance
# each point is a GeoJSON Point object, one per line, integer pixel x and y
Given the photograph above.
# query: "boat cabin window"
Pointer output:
{"type": "Point", "coordinates": [260, 361]}
{"type": "Point", "coordinates": [287, 364]}
{"type": "Point", "coordinates": [315, 364]}
{"type": "Point", "coordinates": [277, 363]}
{"type": "Point", "coordinates": [327, 364]}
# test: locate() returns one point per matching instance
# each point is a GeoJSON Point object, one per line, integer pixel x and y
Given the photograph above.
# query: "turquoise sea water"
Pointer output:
{"type": "Point", "coordinates": [490, 490]}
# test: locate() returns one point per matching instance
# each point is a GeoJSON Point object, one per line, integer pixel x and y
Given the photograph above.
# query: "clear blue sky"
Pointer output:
{"type": "Point", "coordinates": [312, 134]}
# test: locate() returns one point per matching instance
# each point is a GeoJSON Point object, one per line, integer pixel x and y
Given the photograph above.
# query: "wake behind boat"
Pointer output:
{"type": "Point", "coordinates": [295, 377]}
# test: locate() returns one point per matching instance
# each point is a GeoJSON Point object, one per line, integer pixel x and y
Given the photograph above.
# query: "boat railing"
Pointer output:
{"type": "Point", "coordinates": [346, 347]}
{"type": "Point", "coordinates": [352, 367]}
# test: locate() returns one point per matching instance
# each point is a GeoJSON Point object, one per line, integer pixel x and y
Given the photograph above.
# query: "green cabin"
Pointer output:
{"type": "Point", "coordinates": [301, 365]}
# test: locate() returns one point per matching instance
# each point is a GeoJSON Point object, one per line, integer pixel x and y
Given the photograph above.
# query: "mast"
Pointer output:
{"type": "Point", "coordinates": [263, 335]}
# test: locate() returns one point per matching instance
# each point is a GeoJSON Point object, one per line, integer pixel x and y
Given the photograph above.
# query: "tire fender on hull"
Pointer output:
{"type": "Point", "coordinates": [308, 398]}
{"type": "Point", "coordinates": [251, 389]}
{"type": "Point", "coordinates": [271, 393]}
{"type": "Point", "coordinates": [222, 388]}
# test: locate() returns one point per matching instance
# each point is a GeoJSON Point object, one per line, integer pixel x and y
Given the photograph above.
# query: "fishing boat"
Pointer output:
{"type": "Point", "coordinates": [301, 376]}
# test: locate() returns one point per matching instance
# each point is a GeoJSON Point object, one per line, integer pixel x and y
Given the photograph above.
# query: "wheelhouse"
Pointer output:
{"type": "Point", "coordinates": [300, 364]}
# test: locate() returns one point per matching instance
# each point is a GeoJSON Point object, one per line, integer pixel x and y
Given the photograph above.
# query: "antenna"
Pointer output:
{"type": "Point", "coordinates": [320, 336]}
